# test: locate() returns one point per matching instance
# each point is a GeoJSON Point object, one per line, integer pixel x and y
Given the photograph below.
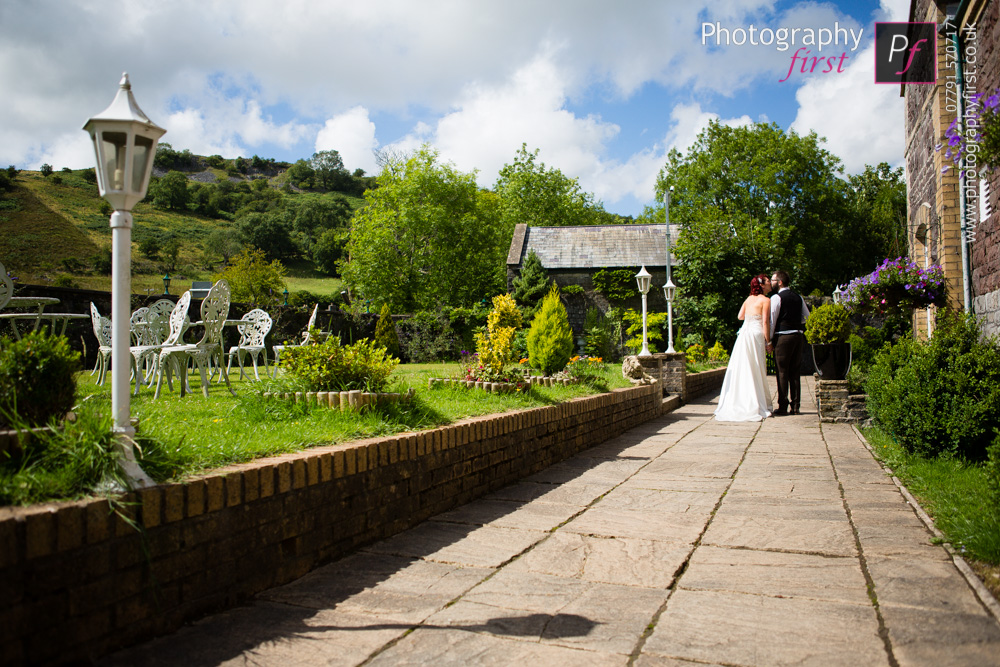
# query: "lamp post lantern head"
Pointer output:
{"type": "Point", "coordinates": [166, 283]}
{"type": "Point", "coordinates": [643, 278]}
{"type": "Point", "coordinates": [669, 289]}
{"type": "Point", "coordinates": [124, 143]}
{"type": "Point", "coordinates": [838, 294]}
{"type": "Point", "coordinates": [286, 297]}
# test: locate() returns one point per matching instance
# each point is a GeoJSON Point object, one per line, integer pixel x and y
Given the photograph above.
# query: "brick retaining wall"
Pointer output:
{"type": "Point", "coordinates": [698, 384]}
{"type": "Point", "coordinates": [77, 581]}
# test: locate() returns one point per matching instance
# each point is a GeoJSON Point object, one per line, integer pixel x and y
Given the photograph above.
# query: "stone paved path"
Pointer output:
{"type": "Point", "coordinates": [685, 541]}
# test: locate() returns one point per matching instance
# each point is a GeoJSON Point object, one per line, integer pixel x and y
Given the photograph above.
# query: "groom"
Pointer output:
{"type": "Point", "coordinates": [788, 321]}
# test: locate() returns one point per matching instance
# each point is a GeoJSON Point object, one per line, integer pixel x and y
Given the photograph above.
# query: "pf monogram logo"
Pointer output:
{"type": "Point", "coordinates": [905, 53]}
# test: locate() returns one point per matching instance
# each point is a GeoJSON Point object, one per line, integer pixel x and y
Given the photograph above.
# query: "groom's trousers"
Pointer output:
{"type": "Point", "coordinates": [788, 359]}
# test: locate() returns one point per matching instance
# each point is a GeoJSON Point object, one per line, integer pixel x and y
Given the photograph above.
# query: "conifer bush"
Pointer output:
{"type": "Point", "coordinates": [550, 339]}
{"type": "Point", "coordinates": [531, 285]}
{"type": "Point", "coordinates": [385, 332]}
{"type": "Point", "coordinates": [496, 347]}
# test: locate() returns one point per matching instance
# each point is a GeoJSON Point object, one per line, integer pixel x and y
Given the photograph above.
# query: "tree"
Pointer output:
{"type": "Point", "coordinates": [254, 280]}
{"type": "Point", "coordinates": [171, 191]}
{"type": "Point", "coordinates": [221, 243]}
{"type": "Point", "coordinates": [329, 171]}
{"type": "Point", "coordinates": [329, 250]}
{"type": "Point", "coordinates": [533, 195]}
{"type": "Point", "coordinates": [750, 200]}
{"type": "Point", "coordinates": [550, 339]}
{"type": "Point", "coordinates": [531, 285]}
{"type": "Point", "coordinates": [46, 170]}
{"type": "Point", "coordinates": [267, 232]}
{"type": "Point", "coordinates": [426, 236]}
{"type": "Point", "coordinates": [878, 196]}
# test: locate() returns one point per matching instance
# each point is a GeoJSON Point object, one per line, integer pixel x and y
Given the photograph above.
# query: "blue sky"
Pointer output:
{"type": "Point", "coordinates": [602, 89]}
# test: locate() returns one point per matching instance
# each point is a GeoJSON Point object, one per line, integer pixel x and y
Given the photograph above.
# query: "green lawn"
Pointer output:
{"type": "Point", "coordinates": [956, 494]}
{"type": "Point", "coordinates": [182, 436]}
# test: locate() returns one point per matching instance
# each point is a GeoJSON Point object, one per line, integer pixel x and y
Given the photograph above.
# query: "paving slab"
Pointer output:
{"type": "Point", "coordinates": [619, 560]}
{"type": "Point", "coordinates": [832, 538]}
{"type": "Point", "coordinates": [533, 515]}
{"type": "Point", "coordinates": [483, 546]}
{"type": "Point", "coordinates": [738, 629]}
{"type": "Point", "coordinates": [776, 574]}
{"type": "Point", "coordinates": [683, 542]}
{"type": "Point", "coordinates": [460, 648]}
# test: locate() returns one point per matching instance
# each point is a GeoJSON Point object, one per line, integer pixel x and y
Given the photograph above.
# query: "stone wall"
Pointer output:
{"type": "Point", "coordinates": [78, 580]}
{"type": "Point", "coordinates": [837, 405]}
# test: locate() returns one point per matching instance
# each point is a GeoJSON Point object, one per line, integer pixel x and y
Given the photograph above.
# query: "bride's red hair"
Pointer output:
{"type": "Point", "coordinates": [757, 284]}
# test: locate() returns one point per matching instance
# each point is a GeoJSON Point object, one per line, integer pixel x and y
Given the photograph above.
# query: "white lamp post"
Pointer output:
{"type": "Point", "coordinates": [838, 294]}
{"type": "Point", "coordinates": [643, 279]}
{"type": "Point", "coordinates": [124, 144]}
{"type": "Point", "coordinates": [669, 288]}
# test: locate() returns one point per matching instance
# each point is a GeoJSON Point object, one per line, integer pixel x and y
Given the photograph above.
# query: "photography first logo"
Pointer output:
{"type": "Point", "coordinates": [784, 38]}
{"type": "Point", "coordinates": [905, 53]}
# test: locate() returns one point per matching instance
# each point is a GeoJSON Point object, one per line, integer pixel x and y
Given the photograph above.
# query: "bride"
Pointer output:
{"type": "Point", "coordinates": [745, 396]}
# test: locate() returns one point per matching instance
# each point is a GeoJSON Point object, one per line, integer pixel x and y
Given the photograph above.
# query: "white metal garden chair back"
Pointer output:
{"type": "Point", "coordinates": [138, 327]}
{"type": "Point", "coordinates": [306, 339]}
{"type": "Point", "coordinates": [159, 320]}
{"type": "Point", "coordinates": [214, 311]}
{"type": "Point", "coordinates": [176, 324]}
{"type": "Point", "coordinates": [254, 328]}
{"type": "Point", "coordinates": [102, 331]}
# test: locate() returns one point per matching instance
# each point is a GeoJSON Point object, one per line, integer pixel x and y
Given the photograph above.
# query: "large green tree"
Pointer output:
{"type": "Point", "coordinates": [535, 195]}
{"type": "Point", "coordinates": [878, 197]}
{"type": "Point", "coordinates": [426, 236]}
{"type": "Point", "coordinates": [751, 200]}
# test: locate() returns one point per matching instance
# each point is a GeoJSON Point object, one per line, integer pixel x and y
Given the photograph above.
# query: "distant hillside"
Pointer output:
{"type": "Point", "coordinates": [56, 229]}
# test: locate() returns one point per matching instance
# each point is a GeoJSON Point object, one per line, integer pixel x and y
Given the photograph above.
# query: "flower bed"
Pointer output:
{"type": "Point", "coordinates": [500, 387]}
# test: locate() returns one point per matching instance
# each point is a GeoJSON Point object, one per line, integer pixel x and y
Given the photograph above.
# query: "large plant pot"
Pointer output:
{"type": "Point", "coordinates": [832, 360]}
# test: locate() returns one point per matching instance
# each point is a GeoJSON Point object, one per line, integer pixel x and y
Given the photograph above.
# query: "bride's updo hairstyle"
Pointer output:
{"type": "Point", "coordinates": [757, 284]}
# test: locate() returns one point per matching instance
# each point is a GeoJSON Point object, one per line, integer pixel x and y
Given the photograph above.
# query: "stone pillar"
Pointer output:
{"type": "Point", "coordinates": [669, 369]}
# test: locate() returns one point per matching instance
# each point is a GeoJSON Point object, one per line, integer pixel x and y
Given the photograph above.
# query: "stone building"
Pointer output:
{"type": "Point", "coordinates": [572, 255]}
{"type": "Point", "coordinates": [968, 61]}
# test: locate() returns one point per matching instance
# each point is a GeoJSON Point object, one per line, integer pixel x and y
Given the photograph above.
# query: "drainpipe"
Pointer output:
{"type": "Point", "coordinates": [962, 203]}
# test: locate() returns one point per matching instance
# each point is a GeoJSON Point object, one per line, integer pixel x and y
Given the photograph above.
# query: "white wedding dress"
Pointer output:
{"type": "Point", "coordinates": [745, 396]}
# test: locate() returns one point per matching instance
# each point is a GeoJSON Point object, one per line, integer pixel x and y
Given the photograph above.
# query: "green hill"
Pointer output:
{"type": "Point", "coordinates": [55, 229]}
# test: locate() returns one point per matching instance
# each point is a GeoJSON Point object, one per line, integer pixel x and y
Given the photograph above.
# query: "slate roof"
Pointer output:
{"type": "Point", "coordinates": [594, 247]}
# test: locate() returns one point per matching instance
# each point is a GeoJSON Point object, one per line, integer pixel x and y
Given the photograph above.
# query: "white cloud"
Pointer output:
{"type": "Point", "coordinates": [861, 121]}
{"type": "Point", "coordinates": [352, 134]}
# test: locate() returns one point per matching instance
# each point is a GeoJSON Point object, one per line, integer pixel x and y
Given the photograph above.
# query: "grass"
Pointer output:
{"type": "Point", "coordinates": [179, 437]}
{"type": "Point", "coordinates": [956, 494]}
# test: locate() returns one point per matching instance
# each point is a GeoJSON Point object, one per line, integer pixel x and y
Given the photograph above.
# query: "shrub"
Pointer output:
{"type": "Point", "coordinates": [993, 469]}
{"type": "Point", "coordinates": [495, 347]}
{"type": "Point", "coordinates": [385, 332]}
{"type": "Point", "coordinates": [64, 280]}
{"type": "Point", "coordinates": [941, 396]}
{"type": "Point", "coordinates": [696, 353]}
{"type": "Point", "coordinates": [655, 323]}
{"type": "Point", "coordinates": [829, 323]}
{"type": "Point", "coordinates": [330, 366]}
{"type": "Point", "coordinates": [36, 379]}
{"type": "Point", "coordinates": [717, 354]}
{"type": "Point", "coordinates": [587, 370]}
{"type": "Point", "coordinates": [427, 336]}
{"type": "Point", "coordinates": [550, 340]}
{"type": "Point", "coordinates": [573, 290]}
{"type": "Point", "coordinates": [603, 334]}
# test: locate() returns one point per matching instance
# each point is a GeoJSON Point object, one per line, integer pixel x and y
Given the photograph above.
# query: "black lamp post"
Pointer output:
{"type": "Point", "coordinates": [166, 283]}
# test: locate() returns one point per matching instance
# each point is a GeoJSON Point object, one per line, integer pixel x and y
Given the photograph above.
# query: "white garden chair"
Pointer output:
{"type": "Point", "coordinates": [254, 328]}
{"type": "Point", "coordinates": [148, 355]}
{"type": "Point", "coordinates": [306, 339]}
{"type": "Point", "coordinates": [214, 311]}
{"type": "Point", "coordinates": [102, 331]}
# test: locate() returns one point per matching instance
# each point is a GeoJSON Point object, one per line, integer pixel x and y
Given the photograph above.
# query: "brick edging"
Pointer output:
{"type": "Point", "coordinates": [79, 581]}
